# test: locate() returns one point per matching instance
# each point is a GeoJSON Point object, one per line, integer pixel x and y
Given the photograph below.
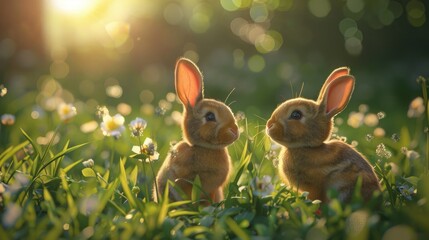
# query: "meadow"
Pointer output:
{"type": "Point", "coordinates": [89, 113]}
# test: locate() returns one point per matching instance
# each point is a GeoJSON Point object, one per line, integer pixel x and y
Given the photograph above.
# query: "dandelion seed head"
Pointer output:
{"type": "Point", "coordinates": [369, 137]}
{"type": "Point", "coordinates": [7, 119]}
{"type": "Point", "coordinates": [382, 151]}
{"type": "Point", "coordinates": [354, 143]}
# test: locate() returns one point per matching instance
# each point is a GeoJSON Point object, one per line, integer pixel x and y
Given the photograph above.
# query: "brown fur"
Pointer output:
{"type": "Point", "coordinates": [308, 161]}
{"type": "Point", "coordinates": [203, 150]}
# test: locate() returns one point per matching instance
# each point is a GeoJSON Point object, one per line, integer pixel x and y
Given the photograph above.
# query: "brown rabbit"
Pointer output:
{"type": "Point", "coordinates": [208, 128]}
{"type": "Point", "coordinates": [308, 160]}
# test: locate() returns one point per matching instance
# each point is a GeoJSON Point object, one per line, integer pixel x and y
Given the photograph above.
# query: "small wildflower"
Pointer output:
{"type": "Point", "coordinates": [159, 111]}
{"type": "Point", "coordinates": [354, 143]}
{"type": "Point", "coordinates": [416, 108]}
{"type": "Point", "coordinates": [7, 119]}
{"type": "Point", "coordinates": [404, 150]}
{"type": "Point", "coordinates": [66, 111]}
{"type": "Point", "coordinates": [239, 116]}
{"type": "Point", "coordinates": [113, 126]}
{"type": "Point", "coordinates": [395, 137]}
{"type": "Point", "coordinates": [381, 151]}
{"type": "Point", "coordinates": [88, 163]}
{"type": "Point", "coordinates": [137, 126]}
{"type": "Point", "coordinates": [148, 148]}
{"type": "Point", "coordinates": [102, 111]}
{"type": "Point", "coordinates": [3, 90]}
{"type": "Point", "coordinates": [262, 187]}
{"type": "Point", "coordinates": [381, 115]}
{"type": "Point", "coordinates": [407, 192]}
{"type": "Point", "coordinates": [369, 137]}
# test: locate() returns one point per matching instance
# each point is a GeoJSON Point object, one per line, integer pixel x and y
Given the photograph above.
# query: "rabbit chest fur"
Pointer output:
{"type": "Point", "coordinates": [185, 162]}
{"type": "Point", "coordinates": [333, 165]}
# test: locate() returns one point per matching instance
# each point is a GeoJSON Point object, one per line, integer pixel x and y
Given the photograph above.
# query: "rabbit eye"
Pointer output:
{"type": "Point", "coordinates": [296, 115]}
{"type": "Point", "coordinates": [210, 117]}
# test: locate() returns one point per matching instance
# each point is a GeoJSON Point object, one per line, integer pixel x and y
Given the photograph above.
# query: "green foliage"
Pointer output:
{"type": "Point", "coordinates": [66, 189]}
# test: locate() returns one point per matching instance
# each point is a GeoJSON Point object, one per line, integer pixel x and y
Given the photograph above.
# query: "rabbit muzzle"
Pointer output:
{"type": "Point", "coordinates": [228, 134]}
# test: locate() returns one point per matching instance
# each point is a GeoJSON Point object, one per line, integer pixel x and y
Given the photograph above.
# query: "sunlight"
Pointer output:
{"type": "Point", "coordinates": [74, 6]}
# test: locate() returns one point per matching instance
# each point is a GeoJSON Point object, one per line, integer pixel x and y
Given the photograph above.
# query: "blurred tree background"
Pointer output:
{"type": "Point", "coordinates": [123, 51]}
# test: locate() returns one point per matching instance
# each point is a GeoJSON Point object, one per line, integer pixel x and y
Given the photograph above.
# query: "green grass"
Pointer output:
{"type": "Point", "coordinates": [49, 191]}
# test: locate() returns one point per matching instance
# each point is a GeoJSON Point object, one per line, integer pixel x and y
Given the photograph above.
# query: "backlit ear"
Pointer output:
{"type": "Point", "coordinates": [189, 82]}
{"type": "Point", "coordinates": [335, 74]}
{"type": "Point", "coordinates": [337, 95]}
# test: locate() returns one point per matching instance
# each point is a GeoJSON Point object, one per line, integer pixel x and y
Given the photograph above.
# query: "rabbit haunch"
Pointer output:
{"type": "Point", "coordinates": [208, 128]}
{"type": "Point", "coordinates": [308, 160]}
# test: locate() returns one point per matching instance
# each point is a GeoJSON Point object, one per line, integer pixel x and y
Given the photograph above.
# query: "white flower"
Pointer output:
{"type": "Point", "coordinates": [113, 126]}
{"type": "Point", "coordinates": [7, 119]}
{"type": "Point", "coordinates": [262, 187]}
{"type": "Point", "coordinates": [88, 163]}
{"type": "Point", "coordinates": [66, 111]}
{"type": "Point", "coordinates": [148, 148]}
{"type": "Point", "coordinates": [137, 126]}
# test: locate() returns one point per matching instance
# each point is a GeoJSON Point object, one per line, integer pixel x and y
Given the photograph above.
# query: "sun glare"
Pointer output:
{"type": "Point", "coordinates": [74, 6]}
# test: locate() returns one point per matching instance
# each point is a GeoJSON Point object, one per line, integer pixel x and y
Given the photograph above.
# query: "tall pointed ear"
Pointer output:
{"type": "Point", "coordinates": [334, 74]}
{"type": "Point", "coordinates": [337, 95]}
{"type": "Point", "coordinates": [189, 82]}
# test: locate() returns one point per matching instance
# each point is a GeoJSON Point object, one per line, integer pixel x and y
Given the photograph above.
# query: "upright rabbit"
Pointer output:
{"type": "Point", "coordinates": [309, 161]}
{"type": "Point", "coordinates": [208, 128]}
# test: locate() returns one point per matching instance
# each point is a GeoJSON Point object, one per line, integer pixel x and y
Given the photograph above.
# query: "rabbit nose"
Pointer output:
{"type": "Point", "coordinates": [234, 130]}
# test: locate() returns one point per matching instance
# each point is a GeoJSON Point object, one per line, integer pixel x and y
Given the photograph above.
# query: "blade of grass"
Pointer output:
{"type": "Point", "coordinates": [124, 183]}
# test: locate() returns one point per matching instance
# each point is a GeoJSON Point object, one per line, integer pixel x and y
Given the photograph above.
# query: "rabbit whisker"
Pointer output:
{"type": "Point", "coordinates": [229, 94]}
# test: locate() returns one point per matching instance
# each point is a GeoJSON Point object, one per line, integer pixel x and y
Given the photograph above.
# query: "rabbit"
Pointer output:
{"type": "Point", "coordinates": [309, 161]}
{"type": "Point", "coordinates": [208, 127]}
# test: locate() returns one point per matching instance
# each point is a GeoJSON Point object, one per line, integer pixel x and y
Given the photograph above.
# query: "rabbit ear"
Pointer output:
{"type": "Point", "coordinates": [337, 95]}
{"type": "Point", "coordinates": [189, 82]}
{"type": "Point", "coordinates": [335, 74]}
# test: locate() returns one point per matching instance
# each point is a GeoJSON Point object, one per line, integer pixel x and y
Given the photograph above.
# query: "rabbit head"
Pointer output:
{"type": "Point", "coordinates": [206, 122]}
{"type": "Point", "coordinates": [302, 122]}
